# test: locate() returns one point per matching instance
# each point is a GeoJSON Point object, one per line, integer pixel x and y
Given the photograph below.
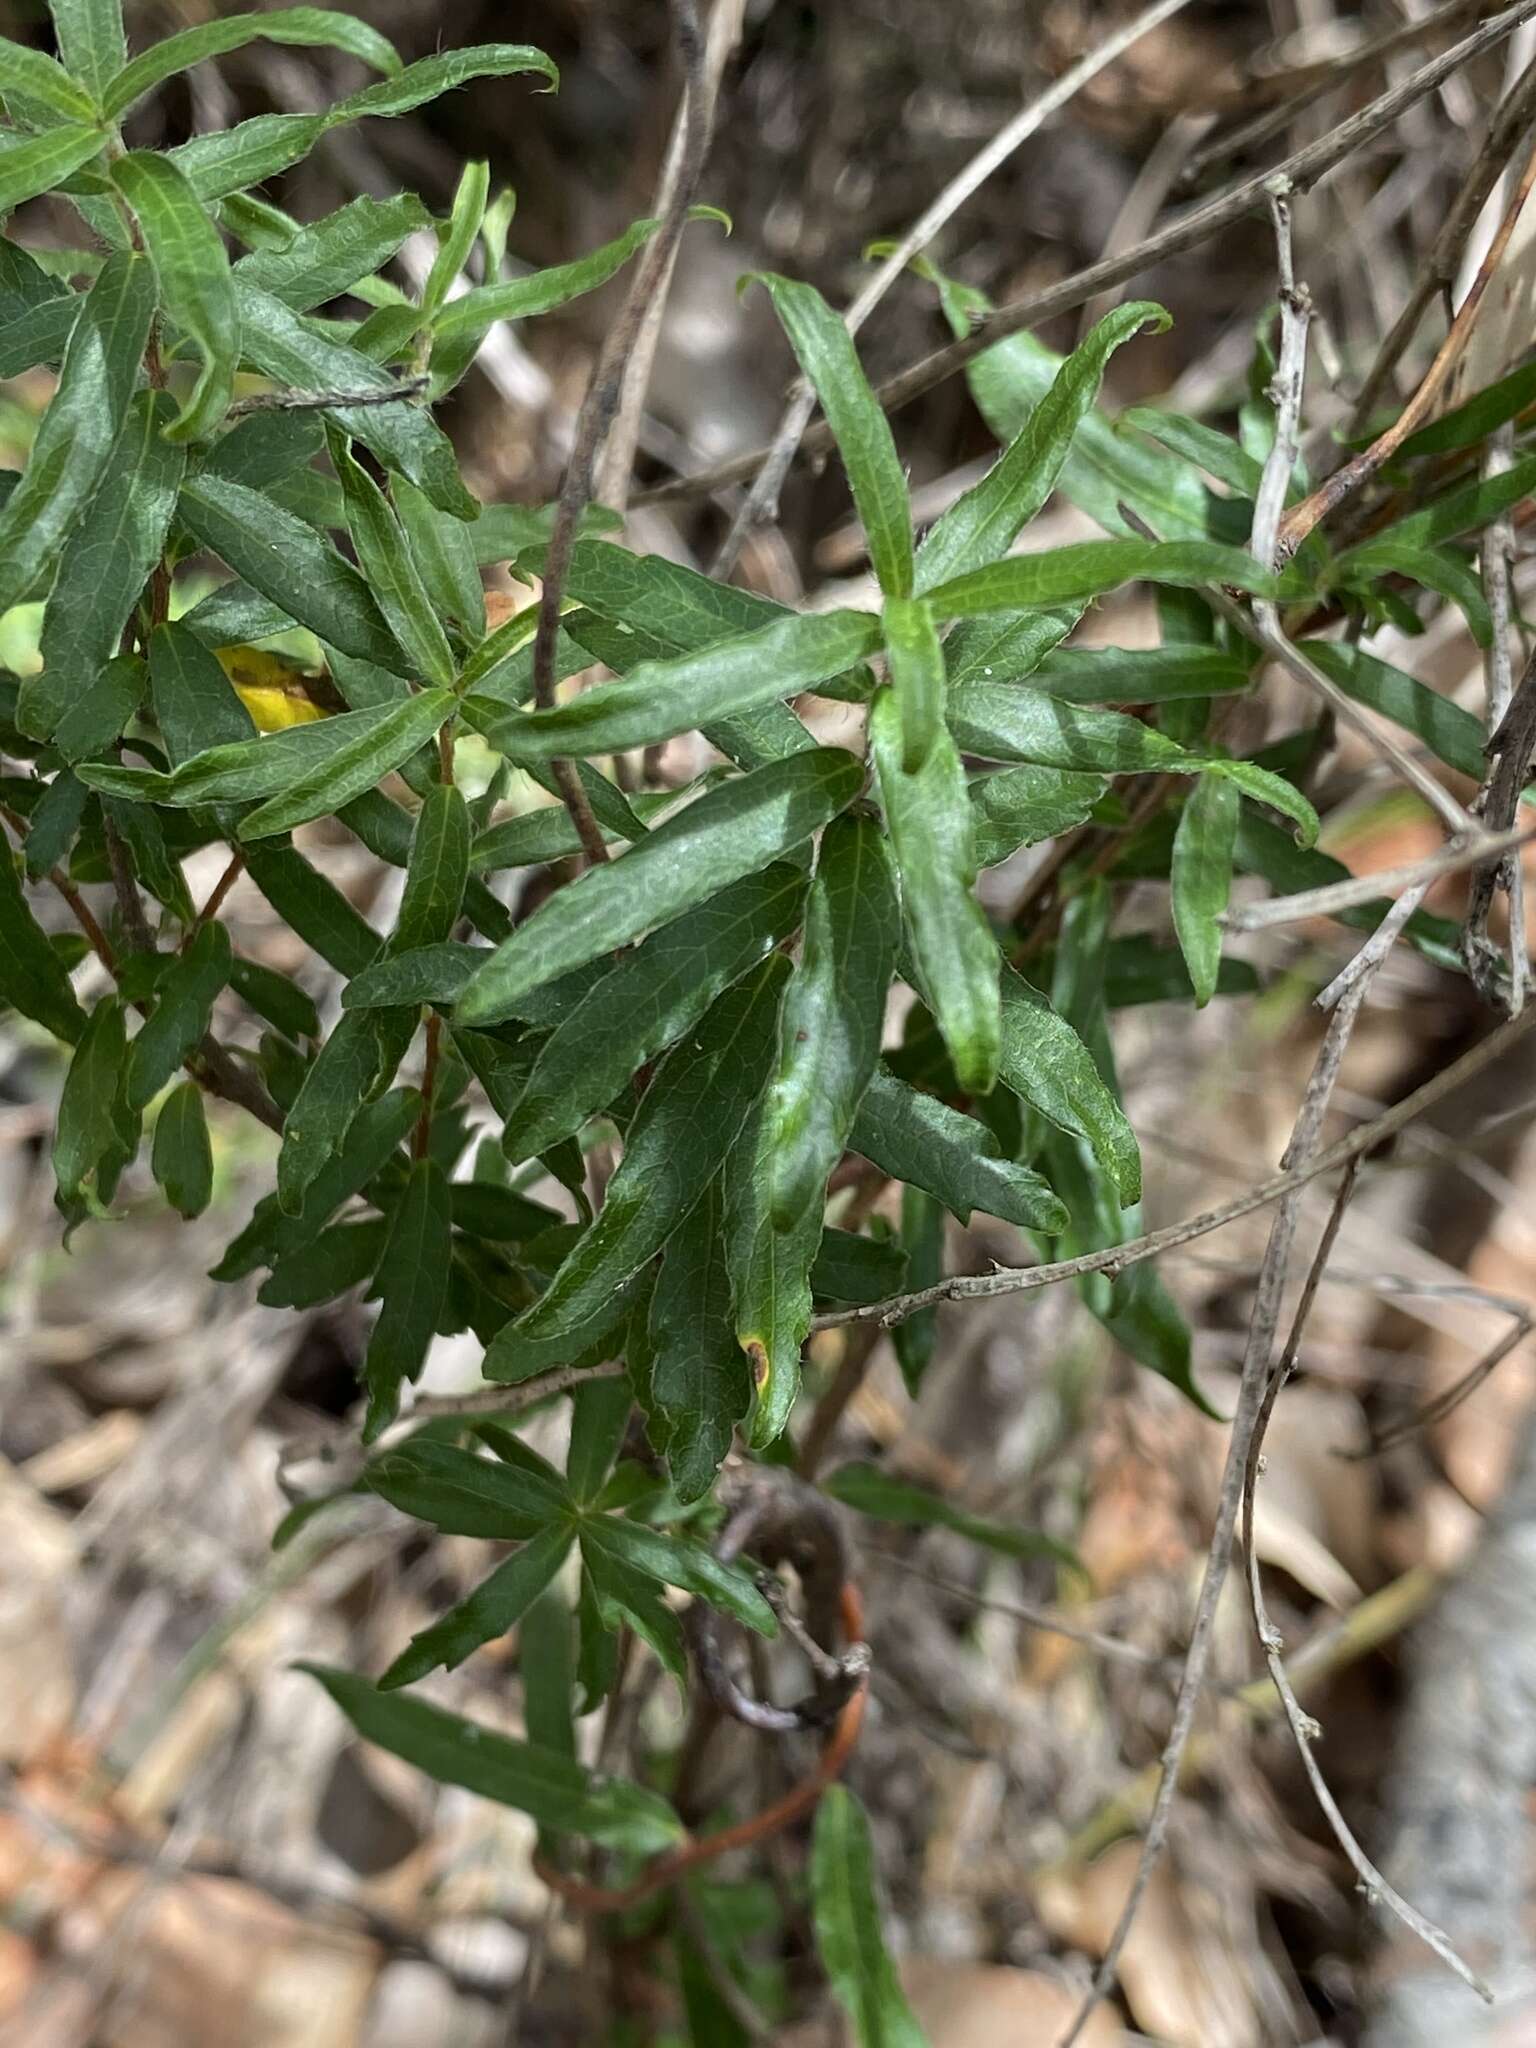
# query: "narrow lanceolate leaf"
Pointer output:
{"type": "Point", "coordinates": [33, 980]}
{"type": "Point", "coordinates": [400, 434]}
{"type": "Point", "coordinates": [494, 1609]}
{"type": "Point", "coordinates": [413, 1284]}
{"type": "Point", "coordinates": [313, 907]}
{"type": "Point", "coordinates": [31, 164]}
{"type": "Point", "coordinates": [679, 1561]}
{"type": "Point", "coordinates": [239, 770]}
{"type": "Point", "coordinates": [615, 1596]}
{"type": "Point", "coordinates": [855, 1269]}
{"type": "Point", "coordinates": [391, 573]}
{"type": "Point", "coordinates": [1450, 732]}
{"type": "Point", "coordinates": [1140, 675]}
{"type": "Point", "coordinates": [646, 1003]}
{"type": "Point", "coordinates": [97, 717]}
{"type": "Point", "coordinates": [456, 236]}
{"type": "Point", "coordinates": [192, 269]}
{"type": "Point", "coordinates": [290, 564]}
{"type": "Point", "coordinates": [552, 1788]}
{"type": "Point", "coordinates": [443, 550]}
{"type": "Point", "coordinates": [231, 159]}
{"type": "Point", "coordinates": [392, 740]}
{"type": "Point", "coordinates": [872, 1492]}
{"type": "Point", "coordinates": [183, 1006]}
{"type": "Point", "coordinates": [916, 658]}
{"type": "Point", "coordinates": [1022, 806]}
{"type": "Point", "coordinates": [341, 1258]}
{"type": "Point", "coordinates": [699, 1387]}
{"type": "Point", "coordinates": [687, 1122]}
{"type": "Point", "coordinates": [982, 525]}
{"type": "Point", "coordinates": [915, 1340]}
{"type": "Point", "coordinates": [825, 352]}
{"type": "Point", "coordinates": [92, 46]}
{"type": "Point", "coordinates": [464, 1494]}
{"type": "Point", "coordinates": [425, 974]}
{"type": "Point", "coordinates": [1047, 1065]}
{"type": "Point", "coordinates": [520, 298]}
{"type": "Point", "coordinates": [661, 698]}
{"type": "Point", "coordinates": [845, 1905]}
{"type": "Point", "coordinates": [326, 257]}
{"type": "Point", "coordinates": [1265, 787]}
{"type": "Point", "coordinates": [334, 1090]}
{"type": "Point", "coordinates": [1201, 877]}
{"type": "Point", "coordinates": [1006, 647]}
{"type": "Point", "coordinates": [731, 832]}
{"type": "Point", "coordinates": [930, 825]}
{"type": "Point", "coordinates": [115, 545]}
{"type": "Point", "coordinates": [196, 707]}
{"type": "Point", "coordinates": [438, 870]}
{"type": "Point", "coordinates": [1003, 722]}
{"type": "Point", "coordinates": [917, 1139]}
{"type": "Point", "coordinates": [834, 1012]}
{"type": "Point", "coordinates": [1093, 566]}
{"type": "Point", "coordinates": [75, 440]}
{"type": "Point", "coordinates": [181, 1158]}
{"type": "Point", "coordinates": [31, 75]}
{"type": "Point", "coordinates": [325, 27]}
{"type": "Point", "coordinates": [95, 1134]}
{"type": "Point", "coordinates": [429, 78]}
{"type": "Point", "coordinates": [770, 1273]}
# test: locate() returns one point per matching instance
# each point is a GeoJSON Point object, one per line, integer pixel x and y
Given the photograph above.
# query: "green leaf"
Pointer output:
{"type": "Point", "coordinates": [1139, 675]}
{"type": "Point", "coordinates": [292, 565]}
{"type": "Point", "coordinates": [494, 1609]}
{"type": "Point", "coordinates": [1002, 722]}
{"type": "Point", "coordinates": [324, 27]}
{"type": "Point", "coordinates": [1201, 876]}
{"type": "Point", "coordinates": [930, 826]}
{"type": "Point", "coordinates": [33, 979]}
{"type": "Point", "coordinates": [247, 154]}
{"type": "Point", "coordinates": [426, 974]}
{"type": "Point", "coordinates": [393, 736]}
{"type": "Point", "coordinates": [1226, 460]}
{"type": "Point", "coordinates": [855, 1269]}
{"type": "Point", "coordinates": [834, 1012]}
{"type": "Point", "coordinates": [983, 524]}
{"type": "Point", "coordinates": [678, 1561]}
{"type": "Point", "coordinates": [1137, 971]}
{"type": "Point", "coordinates": [1438, 569]}
{"type": "Point", "coordinates": [327, 257]}
{"type": "Point", "coordinates": [770, 1273]}
{"type": "Point", "coordinates": [29, 73]}
{"type": "Point", "coordinates": [90, 38]}
{"type": "Point", "coordinates": [182, 1158]}
{"type": "Point", "coordinates": [312, 907]}
{"type": "Point", "coordinates": [1008, 646]}
{"type": "Point", "coordinates": [112, 550]}
{"type": "Point", "coordinates": [499, 1214]}
{"type": "Point", "coordinates": [432, 76]}
{"type": "Point", "coordinates": [646, 1002]}
{"type": "Point", "coordinates": [340, 1258]}
{"type": "Point", "coordinates": [1468, 425]}
{"type": "Point", "coordinates": [391, 573]}
{"type": "Point", "coordinates": [869, 1491]}
{"type": "Point", "coordinates": [401, 434]}
{"type": "Point", "coordinates": [731, 832]}
{"type": "Point", "coordinates": [1022, 806]}
{"type": "Point", "coordinates": [917, 1139]}
{"type": "Point", "coordinates": [532, 840]}
{"type": "Point", "coordinates": [464, 1494]}
{"type": "Point", "coordinates": [825, 352]}
{"type": "Point", "coordinates": [101, 712]}
{"type": "Point", "coordinates": [192, 270]}
{"type": "Point", "coordinates": [443, 550]}
{"type": "Point", "coordinates": [32, 164]}
{"type": "Point", "coordinates": [1466, 510]}
{"type": "Point", "coordinates": [183, 1006]}
{"type": "Point", "coordinates": [412, 1283]}
{"type": "Point", "coordinates": [456, 237]}
{"type": "Point", "coordinates": [541, 291]}
{"type": "Point", "coordinates": [846, 1907]}
{"type": "Point", "coordinates": [1091, 567]}
{"type": "Point", "coordinates": [1451, 733]}
{"type": "Point", "coordinates": [916, 1338]}
{"type": "Point", "coordinates": [688, 1120]}
{"type": "Point", "coordinates": [661, 698]}
{"type": "Point", "coordinates": [916, 658]}
{"type": "Point", "coordinates": [617, 1596]}
{"type": "Point", "coordinates": [54, 824]}
{"type": "Point", "coordinates": [1047, 1065]}
{"type": "Point", "coordinates": [1267, 788]}
{"type": "Point", "coordinates": [95, 1134]}
{"type": "Point", "coordinates": [438, 871]}
{"type": "Point", "coordinates": [75, 440]}
{"type": "Point", "coordinates": [196, 706]}
{"type": "Point", "coordinates": [545, 1667]}
{"type": "Point", "coordinates": [698, 1386]}
{"type": "Point", "coordinates": [555, 1790]}
{"type": "Point", "coordinates": [339, 1079]}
